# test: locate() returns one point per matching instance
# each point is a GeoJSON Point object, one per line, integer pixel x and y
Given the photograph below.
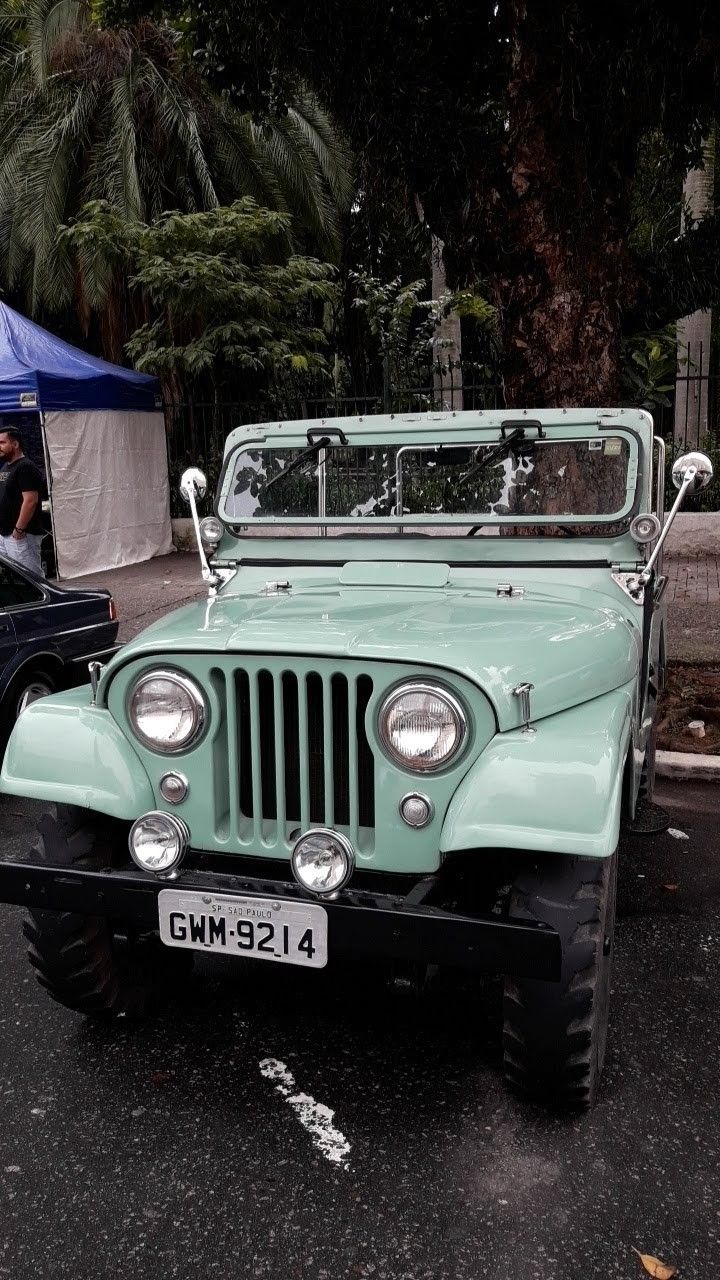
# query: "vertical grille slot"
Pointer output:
{"type": "Point", "coordinates": [268, 758]}
{"type": "Point", "coordinates": [365, 761]}
{"type": "Point", "coordinates": [316, 746]}
{"type": "Point", "coordinates": [291, 738]}
{"type": "Point", "coordinates": [341, 777]}
{"type": "Point", "coordinates": [245, 745]}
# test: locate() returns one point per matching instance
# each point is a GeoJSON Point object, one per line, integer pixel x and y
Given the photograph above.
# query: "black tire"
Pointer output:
{"type": "Point", "coordinates": [89, 963]}
{"type": "Point", "coordinates": [555, 1034]}
{"type": "Point", "coordinates": [646, 790]}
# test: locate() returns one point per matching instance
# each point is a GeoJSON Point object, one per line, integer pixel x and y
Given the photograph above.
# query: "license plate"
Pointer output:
{"type": "Point", "coordinates": [261, 928]}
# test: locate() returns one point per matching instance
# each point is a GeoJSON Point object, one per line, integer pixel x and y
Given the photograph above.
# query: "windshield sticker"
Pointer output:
{"type": "Point", "coordinates": [595, 444]}
{"type": "Point", "coordinates": [613, 448]}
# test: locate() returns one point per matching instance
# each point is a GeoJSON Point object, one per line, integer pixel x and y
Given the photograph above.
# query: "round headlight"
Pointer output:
{"type": "Point", "coordinates": [166, 710]}
{"type": "Point", "coordinates": [422, 727]}
{"type": "Point", "coordinates": [211, 531]}
{"type": "Point", "coordinates": [158, 843]}
{"type": "Point", "coordinates": [322, 861]}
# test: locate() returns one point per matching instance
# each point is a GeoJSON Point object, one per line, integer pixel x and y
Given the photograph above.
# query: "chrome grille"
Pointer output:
{"type": "Point", "coordinates": [297, 754]}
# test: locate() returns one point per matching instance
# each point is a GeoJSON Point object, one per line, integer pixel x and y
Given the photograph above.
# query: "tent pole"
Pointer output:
{"type": "Point", "coordinates": [48, 476]}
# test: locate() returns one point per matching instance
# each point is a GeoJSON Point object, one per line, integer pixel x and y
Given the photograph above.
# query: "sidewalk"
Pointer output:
{"type": "Point", "coordinates": [693, 599]}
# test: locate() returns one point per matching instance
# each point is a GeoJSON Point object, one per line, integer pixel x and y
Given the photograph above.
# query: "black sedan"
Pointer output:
{"type": "Point", "coordinates": [48, 634]}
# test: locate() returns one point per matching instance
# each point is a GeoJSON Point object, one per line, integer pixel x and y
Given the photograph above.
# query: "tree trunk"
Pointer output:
{"type": "Point", "coordinates": [562, 271]}
{"type": "Point", "coordinates": [447, 344]}
{"type": "Point", "coordinates": [694, 331]}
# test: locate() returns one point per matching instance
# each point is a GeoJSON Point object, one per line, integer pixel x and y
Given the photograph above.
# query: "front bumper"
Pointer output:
{"type": "Point", "coordinates": [389, 925]}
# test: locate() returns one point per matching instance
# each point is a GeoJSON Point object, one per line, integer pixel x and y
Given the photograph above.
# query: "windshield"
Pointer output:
{"type": "Point", "coordinates": [511, 480]}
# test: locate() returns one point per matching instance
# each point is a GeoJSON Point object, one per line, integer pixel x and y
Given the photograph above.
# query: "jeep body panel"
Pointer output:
{"type": "Point", "coordinates": [572, 642]}
{"type": "Point", "coordinates": [557, 789]}
{"type": "Point", "coordinates": [67, 751]}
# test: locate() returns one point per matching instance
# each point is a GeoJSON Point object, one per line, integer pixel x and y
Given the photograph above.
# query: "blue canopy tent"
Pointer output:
{"type": "Point", "coordinates": [40, 371]}
{"type": "Point", "coordinates": [103, 435]}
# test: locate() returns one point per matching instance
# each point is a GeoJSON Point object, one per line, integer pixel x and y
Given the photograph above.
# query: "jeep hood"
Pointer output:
{"type": "Point", "coordinates": [570, 652]}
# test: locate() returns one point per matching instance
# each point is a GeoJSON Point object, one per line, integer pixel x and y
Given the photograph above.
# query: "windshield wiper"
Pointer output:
{"type": "Point", "coordinates": [497, 451]}
{"type": "Point", "coordinates": [307, 454]}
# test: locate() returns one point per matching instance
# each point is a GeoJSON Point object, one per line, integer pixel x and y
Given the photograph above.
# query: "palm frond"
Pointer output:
{"type": "Point", "coordinates": [300, 180]}
{"type": "Point", "coordinates": [123, 179]}
{"type": "Point", "coordinates": [46, 23]}
{"type": "Point", "coordinates": [332, 153]}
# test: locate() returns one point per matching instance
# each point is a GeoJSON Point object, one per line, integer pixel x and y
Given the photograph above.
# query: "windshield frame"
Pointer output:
{"type": "Point", "coordinates": [390, 525]}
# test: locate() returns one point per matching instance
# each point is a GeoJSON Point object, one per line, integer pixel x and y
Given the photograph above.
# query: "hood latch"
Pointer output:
{"type": "Point", "coordinates": [508, 591]}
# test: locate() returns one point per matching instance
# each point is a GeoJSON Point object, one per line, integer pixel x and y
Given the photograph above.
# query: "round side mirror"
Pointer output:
{"type": "Point", "coordinates": [193, 481]}
{"type": "Point", "coordinates": [703, 471]}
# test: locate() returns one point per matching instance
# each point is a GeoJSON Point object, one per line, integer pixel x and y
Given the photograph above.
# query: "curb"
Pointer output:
{"type": "Point", "coordinates": [684, 764]}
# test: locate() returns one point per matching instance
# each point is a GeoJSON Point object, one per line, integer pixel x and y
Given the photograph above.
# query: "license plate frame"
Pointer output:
{"type": "Point", "coordinates": [286, 931]}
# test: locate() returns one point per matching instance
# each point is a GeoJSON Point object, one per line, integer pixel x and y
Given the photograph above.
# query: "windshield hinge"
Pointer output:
{"type": "Point", "coordinates": [629, 582]}
{"type": "Point", "coordinates": [275, 588]}
{"type": "Point", "coordinates": [508, 591]}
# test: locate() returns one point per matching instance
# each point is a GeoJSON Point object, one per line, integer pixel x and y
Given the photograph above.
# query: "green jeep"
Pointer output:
{"type": "Point", "coordinates": [409, 721]}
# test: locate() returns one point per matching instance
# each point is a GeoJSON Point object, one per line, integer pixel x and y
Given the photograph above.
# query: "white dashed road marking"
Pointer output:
{"type": "Point", "coordinates": [314, 1116]}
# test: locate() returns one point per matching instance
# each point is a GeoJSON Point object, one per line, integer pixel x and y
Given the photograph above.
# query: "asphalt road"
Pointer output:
{"type": "Point", "coordinates": [197, 1144]}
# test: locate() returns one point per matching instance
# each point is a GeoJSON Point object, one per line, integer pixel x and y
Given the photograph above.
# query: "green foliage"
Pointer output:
{"type": "Point", "coordinates": [227, 294]}
{"type": "Point", "coordinates": [404, 324]}
{"type": "Point", "coordinates": [92, 113]}
{"type": "Point", "coordinates": [649, 369]}
{"type": "Point", "coordinates": [546, 144]}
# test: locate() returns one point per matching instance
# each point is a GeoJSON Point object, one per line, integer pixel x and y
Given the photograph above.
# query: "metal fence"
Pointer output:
{"type": "Point", "coordinates": [693, 411]}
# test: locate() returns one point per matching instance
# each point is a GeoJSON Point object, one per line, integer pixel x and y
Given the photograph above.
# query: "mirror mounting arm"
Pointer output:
{"type": "Point", "coordinates": [192, 482]}
{"type": "Point", "coordinates": [688, 483]}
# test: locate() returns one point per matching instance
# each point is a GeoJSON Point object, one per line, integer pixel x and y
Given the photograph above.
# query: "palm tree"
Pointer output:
{"type": "Point", "coordinates": [119, 115]}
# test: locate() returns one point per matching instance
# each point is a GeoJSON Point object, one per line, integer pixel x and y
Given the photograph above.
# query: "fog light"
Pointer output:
{"type": "Point", "coordinates": [323, 861]}
{"type": "Point", "coordinates": [211, 531]}
{"type": "Point", "coordinates": [158, 843]}
{"type": "Point", "coordinates": [645, 528]}
{"type": "Point", "coordinates": [173, 787]}
{"type": "Point", "coordinates": [416, 810]}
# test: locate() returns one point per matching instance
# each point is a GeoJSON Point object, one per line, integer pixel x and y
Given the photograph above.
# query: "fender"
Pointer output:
{"type": "Point", "coordinates": [65, 750]}
{"type": "Point", "coordinates": [557, 790]}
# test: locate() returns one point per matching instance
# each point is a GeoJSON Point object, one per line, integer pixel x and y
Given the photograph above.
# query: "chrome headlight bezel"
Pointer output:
{"type": "Point", "coordinates": [211, 532]}
{"type": "Point", "coordinates": [198, 707]}
{"type": "Point", "coordinates": [437, 690]}
{"type": "Point", "coordinates": [176, 829]}
{"type": "Point", "coordinates": [339, 844]}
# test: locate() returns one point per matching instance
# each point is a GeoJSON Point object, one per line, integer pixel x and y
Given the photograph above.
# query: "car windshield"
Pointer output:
{"type": "Point", "coordinates": [515, 480]}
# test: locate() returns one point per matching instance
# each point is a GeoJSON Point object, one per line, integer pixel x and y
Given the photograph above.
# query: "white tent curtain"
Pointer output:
{"type": "Point", "coordinates": [110, 492]}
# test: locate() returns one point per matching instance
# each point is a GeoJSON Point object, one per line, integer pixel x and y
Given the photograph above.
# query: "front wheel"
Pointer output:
{"type": "Point", "coordinates": [555, 1033]}
{"type": "Point", "coordinates": [93, 964]}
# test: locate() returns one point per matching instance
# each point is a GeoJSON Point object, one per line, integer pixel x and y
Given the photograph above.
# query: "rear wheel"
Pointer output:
{"type": "Point", "coordinates": [555, 1033]}
{"type": "Point", "coordinates": [93, 964]}
{"type": "Point", "coordinates": [24, 688]}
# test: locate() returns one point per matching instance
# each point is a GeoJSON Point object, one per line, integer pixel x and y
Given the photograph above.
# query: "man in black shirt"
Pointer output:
{"type": "Point", "coordinates": [20, 513]}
